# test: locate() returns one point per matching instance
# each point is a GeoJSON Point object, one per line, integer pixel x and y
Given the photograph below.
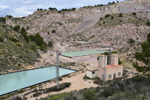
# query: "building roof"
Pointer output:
{"type": "Point", "coordinates": [111, 66]}
{"type": "Point", "coordinates": [95, 67]}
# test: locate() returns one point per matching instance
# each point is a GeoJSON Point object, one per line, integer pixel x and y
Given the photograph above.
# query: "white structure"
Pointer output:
{"type": "Point", "coordinates": [92, 74]}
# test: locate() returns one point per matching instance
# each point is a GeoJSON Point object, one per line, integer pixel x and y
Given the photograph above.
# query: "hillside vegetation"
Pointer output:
{"type": "Point", "coordinates": [136, 88]}
{"type": "Point", "coordinates": [17, 49]}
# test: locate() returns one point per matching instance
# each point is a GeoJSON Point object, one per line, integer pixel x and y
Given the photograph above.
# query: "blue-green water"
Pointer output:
{"type": "Point", "coordinates": [81, 53]}
{"type": "Point", "coordinates": [19, 80]}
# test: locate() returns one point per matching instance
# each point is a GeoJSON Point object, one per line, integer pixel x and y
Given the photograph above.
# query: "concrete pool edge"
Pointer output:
{"type": "Point", "coordinates": [81, 55]}
{"type": "Point", "coordinates": [40, 82]}
{"type": "Point", "coordinates": [65, 55]}
{"type": "Point", "coordinates": [36, 68]}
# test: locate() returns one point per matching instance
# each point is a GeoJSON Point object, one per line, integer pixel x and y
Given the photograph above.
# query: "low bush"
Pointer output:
{"type": "Point", "coordinates": [1, 39]}
{"type": "Point", "coordinates": [50, 44]}
{"type": "Point", "coordinates": [131, 41]}
{"type": "Point", "coordinates": [2, 19]}
{"type": "Point", "coordinates": [101, 18]}
{"type": "Point", "coordinates": [112, 17]}
{"type": "Point", "coordinates": [54, 89]}
{"type": "Point", "coordinates": [98, 81]}
{"type": "Point", "coordinates": [120, 15]}
{"type": "Point", "coordinates": [134, 13]}
{"type": "Point", "coordinates": [119, 61]}
{"type": "Point", "coordinates": [86, 77]}
{"type": "Point", "coordinates": [89, 94]}
{"type": "Point", "coordinates": [53, 31]}
{"type": "Point", "coordinates": [36, 94]}
{"type": "Point", "coordinates": [108, 91]}
{"type": "Point", "coordinates": [108, 15]}
{"type": "Point", "coordinates": [16, 28]}
{"type": "Point", "coordinates": [13, 39]}
{"type": "Point", "coordinates": [138, 78]}
{"type": "Point", "coordinates": [148, 23]}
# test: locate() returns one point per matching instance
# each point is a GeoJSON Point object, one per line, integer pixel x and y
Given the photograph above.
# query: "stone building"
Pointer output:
{"type": "Point", "coordinates": [106, 72]}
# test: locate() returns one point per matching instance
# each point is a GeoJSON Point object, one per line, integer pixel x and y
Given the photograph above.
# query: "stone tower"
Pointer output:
{"type": "Point", "coordinates": [114, 59]}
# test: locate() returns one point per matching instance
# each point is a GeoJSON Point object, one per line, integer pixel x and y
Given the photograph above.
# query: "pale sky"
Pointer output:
{"type": "Point", "coordinates": [19, 8]}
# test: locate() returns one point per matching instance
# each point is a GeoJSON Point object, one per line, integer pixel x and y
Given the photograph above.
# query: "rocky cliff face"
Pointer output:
{"type": "Point", "coordinates": [88, 27]}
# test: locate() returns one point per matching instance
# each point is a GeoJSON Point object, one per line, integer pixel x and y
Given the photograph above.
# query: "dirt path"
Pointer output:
{"type": "Point", "coordinates": [77, 83]}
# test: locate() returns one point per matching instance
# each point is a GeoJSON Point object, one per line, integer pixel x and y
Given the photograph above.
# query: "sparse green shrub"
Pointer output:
{"type": "Point", "coordinates": [17, 98]}
{"type": "Point", "coordinates": [33, 87]}
{"type": "Point", "coordinates": [61, 87]}
{"type": "Point", "coordinates": [16, 28]}
{"type": "Point", "coordinates": [120, 15]}
{"type": "Point", "coordinates": [86, 77]}
{"type": "Point", "coordinates": [18, 45]}
{"type": "Point", "coordinates": [59, 11]}
{"type": "Point", "coordinates": [31, 37]}
{"type": "Point", "coordinates": [27, 28]}
{"type": "Point", "coordinates": [39, 40]}
{"type": "Point", "coordinates": [73, 9]}
{"type": "Point", "coordinates": [101, 18]}
{"type": "Point", "coordinates": [52, 9]}
{"type": "Point", "coordinates": [9, 16]}
{"type": "Point", "coordinates": [33, 47]}
{"type": "Point", "coordinates": [53, 31]}
{"type": "Point", "coordinates": [120, 62]}
{"type": "Point", "coordinates": [108, 91]}
{"type": "Point", "coordinates": [2, 19]}
{"type": "Point", "coordinates": [143, 56]}
{"type": "Point", "coordinates": [50, 44]}
{"type": "Point", "coordinates": [1, 39]}
{"type": "Point", "coordinates": [107, 53]}
{"type": "Point", "coordinates": [89, 94]}
{"type": "Point", "coordinates": [98, 81]}
{"type": "Point", "coordinates": [112, 17]}
{"type": "Point", "coordinates": [20, 91]}
{"type": "Point", "coordinates": [13, 39]}
{"type": "Point", "coordinates": [108, 15]}
{"type": "Point", "coordinates": [36, 94]}
{"type": "Point", "coordinates": [138, 78]}
{"type": "Point", "coordinates": [148, 23]}
{"type": "Point", "coordinates": [24, 34]}
{"type": "Point", "coordinates": [131, 41]}
{"type": "Point", "coordinates": [134, 13]}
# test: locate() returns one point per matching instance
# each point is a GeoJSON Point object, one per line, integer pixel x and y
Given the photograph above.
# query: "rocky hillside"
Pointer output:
{"type": "Point", "coordinates": [90, 27]}
{"type": "Point", "coordinates": [15, 51]}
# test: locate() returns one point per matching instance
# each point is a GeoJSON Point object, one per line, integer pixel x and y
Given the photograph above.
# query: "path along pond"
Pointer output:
{"type": "Point", "coordinates": [15, 81]}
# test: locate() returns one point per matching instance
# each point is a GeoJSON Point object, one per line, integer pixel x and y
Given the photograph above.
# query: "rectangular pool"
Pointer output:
{"type": "Point", "coordinates": [81, 53]}
{"type": "Point", "coordinates": [15, 81]}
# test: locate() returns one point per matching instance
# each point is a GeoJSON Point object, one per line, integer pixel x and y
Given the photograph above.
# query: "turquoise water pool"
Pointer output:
{"type": "Point", "coordinates": [81, 53]}
{"type": "Point", "coordinates": [15, 81]}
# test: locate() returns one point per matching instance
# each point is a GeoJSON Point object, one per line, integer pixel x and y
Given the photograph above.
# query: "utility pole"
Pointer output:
{"type": "Point", "coordinates": [109, 61]}
{"type": "Point", "coordinates": [57, 68]}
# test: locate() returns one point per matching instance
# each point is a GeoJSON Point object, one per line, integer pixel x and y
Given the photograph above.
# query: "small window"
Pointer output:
{"type": "Point", "coordinates": [109, 76]}
{"type": "Point", "coordinates": [93, 72]}
{"type": "Point", "coordinates": [119, 74]}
